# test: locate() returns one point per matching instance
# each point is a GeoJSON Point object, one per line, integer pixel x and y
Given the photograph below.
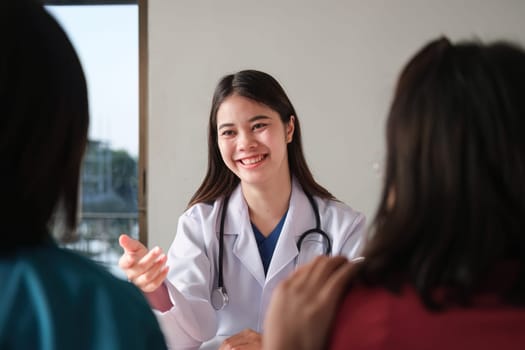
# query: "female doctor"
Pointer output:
{"type": "Point", "coordinates": [256, 216]}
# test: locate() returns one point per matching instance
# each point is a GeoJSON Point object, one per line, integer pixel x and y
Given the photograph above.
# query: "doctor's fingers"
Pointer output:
{"type": "Point", "coordinates": [131, 246]}
{"type": "Point", "coordinates": [247, 339]}
{"type": "Point", "coordinates": [130, 258]}
{"type": "Point", "coordinates": [126, 261]}
{"type": "Point", "coordinates": [142, 265]}
{"type": "Point", "coordinates": [153, 279]}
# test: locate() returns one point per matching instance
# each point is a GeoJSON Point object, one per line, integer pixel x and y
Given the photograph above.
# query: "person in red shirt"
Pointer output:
{"type": "Point", "coordinates": [444, 264]}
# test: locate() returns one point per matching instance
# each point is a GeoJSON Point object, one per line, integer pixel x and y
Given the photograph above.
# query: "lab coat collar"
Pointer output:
{"type": "Point", "coordinates": [299, 219]}
{"type": "Point", "coordinates": [245, 247]}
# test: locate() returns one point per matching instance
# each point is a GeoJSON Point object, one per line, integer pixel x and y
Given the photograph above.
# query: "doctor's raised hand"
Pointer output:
{"type": "Point", "coordinates": [257, 215]}
{"type": "Point", "coordinates": [147, 270]}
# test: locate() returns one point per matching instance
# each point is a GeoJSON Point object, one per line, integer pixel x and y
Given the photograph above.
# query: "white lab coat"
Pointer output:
{"type": "Point", "coordinates": [193, 263]}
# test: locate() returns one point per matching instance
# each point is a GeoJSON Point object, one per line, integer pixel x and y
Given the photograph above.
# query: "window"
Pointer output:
{"type": "Point", "coordinates": [105, 35]}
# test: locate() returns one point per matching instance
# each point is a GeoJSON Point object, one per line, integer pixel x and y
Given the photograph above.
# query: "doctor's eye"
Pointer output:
{"type": "Point", "coordinates": [259, 126]}
{"type": "Point", "coordinates": [227, 133]}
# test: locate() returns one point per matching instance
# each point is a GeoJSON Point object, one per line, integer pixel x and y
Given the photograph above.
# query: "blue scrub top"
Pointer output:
{"type": "Point", "coordinates": [267, 245]}
{"type": "Point", "coordinates": [51, 298]}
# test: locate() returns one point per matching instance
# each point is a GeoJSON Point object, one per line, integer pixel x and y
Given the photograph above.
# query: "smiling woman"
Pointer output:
{"type": "Point", "coordinates": [109, 53]}
{"type": "Point", "coordinates": [239, 236]}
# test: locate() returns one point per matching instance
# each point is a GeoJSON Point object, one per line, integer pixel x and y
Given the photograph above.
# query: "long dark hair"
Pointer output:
{"type": "Point", "coordinates": [44, 123]}
{"type": "Point", "coordinates": [261, 87]}
{"type": "Point", "coordinates": [455, 169]}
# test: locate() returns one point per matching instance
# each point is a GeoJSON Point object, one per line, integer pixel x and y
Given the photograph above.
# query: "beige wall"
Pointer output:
{"type": "Point", "coordinates": [338, 61]}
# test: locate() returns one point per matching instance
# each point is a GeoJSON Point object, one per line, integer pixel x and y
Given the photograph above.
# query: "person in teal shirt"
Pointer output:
{"type": "Point", "coordinates": [51, 298]}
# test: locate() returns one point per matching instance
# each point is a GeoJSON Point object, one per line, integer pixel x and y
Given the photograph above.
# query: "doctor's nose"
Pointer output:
{"type": "Point", "coordinates": [246, 141]}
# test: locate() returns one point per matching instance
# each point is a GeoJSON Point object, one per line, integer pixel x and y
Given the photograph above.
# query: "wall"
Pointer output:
{"type": "Point", "coordinates": [338, 61]}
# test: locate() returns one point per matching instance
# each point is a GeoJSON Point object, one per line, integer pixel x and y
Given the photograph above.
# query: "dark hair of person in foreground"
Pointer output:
{"type": "Point", "coordinates": [44, 124]}
{"type": "Point", "coordinates": [452, 212]}
{"type": "Point", "coordinates": [51, 297]}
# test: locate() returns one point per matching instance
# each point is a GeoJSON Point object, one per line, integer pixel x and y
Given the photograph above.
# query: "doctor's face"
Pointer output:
{"type": "Point", "coordinates": [252, 140]}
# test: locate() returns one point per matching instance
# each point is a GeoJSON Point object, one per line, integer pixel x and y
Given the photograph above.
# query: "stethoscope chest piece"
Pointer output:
{"type": "Point", "coordinates": [219, 298]}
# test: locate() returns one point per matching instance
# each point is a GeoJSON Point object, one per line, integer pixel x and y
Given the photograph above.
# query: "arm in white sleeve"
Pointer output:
{"type": "Point", "coordinates": [192, 319]}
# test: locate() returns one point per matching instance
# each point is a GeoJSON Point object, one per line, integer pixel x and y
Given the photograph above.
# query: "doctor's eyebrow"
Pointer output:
{"type": "Point", "coordinates": [251, 120]}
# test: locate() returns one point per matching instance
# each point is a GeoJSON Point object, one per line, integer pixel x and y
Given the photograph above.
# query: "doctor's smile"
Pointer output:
{"type": "Point", "coordinates": [252, 161]}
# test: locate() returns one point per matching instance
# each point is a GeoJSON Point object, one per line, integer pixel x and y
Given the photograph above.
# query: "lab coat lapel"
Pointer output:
{"type": "Point", "coordinates": [298, 220]}
{"type": "Point", "coordinates": [245, 246]}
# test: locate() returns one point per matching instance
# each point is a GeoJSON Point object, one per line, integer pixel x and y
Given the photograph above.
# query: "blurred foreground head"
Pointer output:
{"type": "Point", "coordinates": [453, 203]}
{"type": "Point", "coordinates": [43, 123]}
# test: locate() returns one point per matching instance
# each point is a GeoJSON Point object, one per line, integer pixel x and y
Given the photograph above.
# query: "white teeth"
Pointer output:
{"type": "Point", "coordinates": [252, 160]}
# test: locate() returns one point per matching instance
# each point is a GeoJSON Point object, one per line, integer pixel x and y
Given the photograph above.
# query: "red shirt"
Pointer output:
{"type": "Point", "coordinates": [374, 318]}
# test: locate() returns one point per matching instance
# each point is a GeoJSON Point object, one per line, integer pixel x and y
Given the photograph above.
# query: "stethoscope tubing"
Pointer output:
{"type": "Point", "coordinates": [220, 296]}
{"type": "Point", "coordinates": [317, 228]}
{"type": "Point", "coordinates": [221, 240]}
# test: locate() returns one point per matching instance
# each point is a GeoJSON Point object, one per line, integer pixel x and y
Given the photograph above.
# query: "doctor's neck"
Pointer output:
{"type": "Point", "coordinates": [267, 204]}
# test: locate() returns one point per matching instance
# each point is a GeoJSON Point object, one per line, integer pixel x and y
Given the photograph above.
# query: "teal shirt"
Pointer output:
{"type": "Point", "coordinates": [51, 298]}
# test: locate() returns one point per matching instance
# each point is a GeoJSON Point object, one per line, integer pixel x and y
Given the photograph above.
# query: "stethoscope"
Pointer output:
{"type": "Point", "coordinates": [312, 237]}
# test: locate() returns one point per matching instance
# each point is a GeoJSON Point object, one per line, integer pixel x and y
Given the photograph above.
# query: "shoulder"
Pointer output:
{"type": "Point", "coordinates": [78, 279]}
{"type": "Point", "coordinates": [199, 224]}
{"type": "Point", "coordinates": [69, 285]}
{"type": "Point", "coordinates": [338, 211]}
{"type": "Point", "coordinates": [201, 214]}
{"type": "Point", "coordinates": [82, 272]}
{"type": "Point", "coordinates": [117, 299]}
{"type": "Point", "coordinates": [362, 314]}
{"type": "Point", "coordinates": [202, 209]}
{"type": "Point", "coordinates": [336, 206]}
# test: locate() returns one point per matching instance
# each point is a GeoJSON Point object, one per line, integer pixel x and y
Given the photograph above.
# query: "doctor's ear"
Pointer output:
{"type": "Point", "coordinates": [290, 127]}
{"type": "Point", "coordinates": [391, 198]}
